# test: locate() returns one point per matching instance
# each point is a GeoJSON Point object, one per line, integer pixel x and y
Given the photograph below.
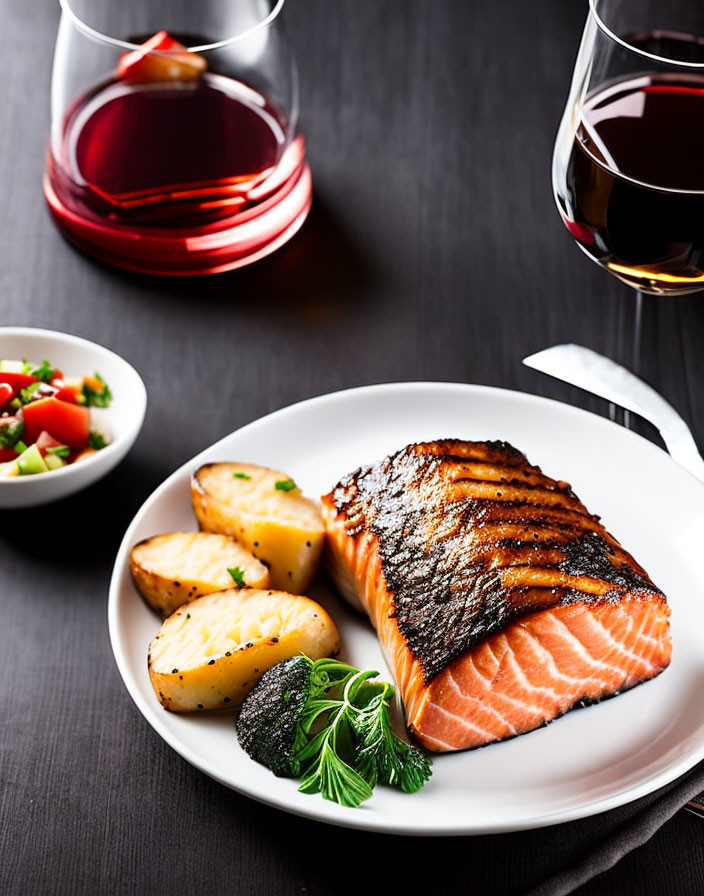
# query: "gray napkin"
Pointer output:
{"type": "Point", "coordinates": [550, 861]}
{"type": "Point", "coordinates": [623, 830]}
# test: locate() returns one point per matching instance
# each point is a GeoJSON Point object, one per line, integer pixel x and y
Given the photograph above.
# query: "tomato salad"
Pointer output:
{"type": "Point", "coordinates": [46, 418]}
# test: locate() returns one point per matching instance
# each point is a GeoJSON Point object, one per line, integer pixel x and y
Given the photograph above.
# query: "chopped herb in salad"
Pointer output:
{"type": "Point", "coordinates": [95, 392]}
{"type": "Point", "coordinates": [45, 418]}
{"type": "Point", "coordinates": [96, 441]}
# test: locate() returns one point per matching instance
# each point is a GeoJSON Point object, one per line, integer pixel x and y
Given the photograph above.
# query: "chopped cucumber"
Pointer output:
{"type": "Point", "coordinates": [31, 461]}
{"type": "Point", "coordinates": [54, 462]}
{"type": "Point", "coordinates": [11, 366]}
{"type": "Point", "coordinates": [61, 451]}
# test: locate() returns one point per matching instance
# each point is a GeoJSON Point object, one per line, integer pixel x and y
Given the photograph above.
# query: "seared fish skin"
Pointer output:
{"type": "Point", "coordinates": [499, 600]}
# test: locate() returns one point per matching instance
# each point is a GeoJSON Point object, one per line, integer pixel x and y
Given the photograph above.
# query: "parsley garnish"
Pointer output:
{"type": "Point", "coordinates": [10, 434]}
{"type": "Point", "coordinates": [284, 485]}
{"type": "Point", "coordinates": [97, 398]}
{"type": "Point", "coordinates": [61, 451]}
{"type": "Point", "coordinates": [240, 476]}
{"type": "Point", "coordinates": [45, 372]}
{"type": "Point", "coordinates": [382, 757]}
{"type": "Point", "coordinates": [338, 738]}
{"type": "Point", "coordinates": [237, 574]}
{"type": "Point", "coordinates": [96, 441]}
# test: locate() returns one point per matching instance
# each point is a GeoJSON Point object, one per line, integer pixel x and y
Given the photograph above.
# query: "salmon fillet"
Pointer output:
{"type": "Point", "coordinates": [500, 602]}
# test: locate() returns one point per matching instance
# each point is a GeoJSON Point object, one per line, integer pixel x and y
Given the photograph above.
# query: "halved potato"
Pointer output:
{"type": "Point", "coordinates": [211, 652]}
{"type": "Point", "coordinates": [265, 511]}
{"type": "Point", "coordinates": [170, 570]}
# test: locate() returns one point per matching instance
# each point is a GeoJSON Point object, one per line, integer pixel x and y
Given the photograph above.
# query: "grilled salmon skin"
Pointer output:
{"type": "Point", "coordinates": [500, 602]}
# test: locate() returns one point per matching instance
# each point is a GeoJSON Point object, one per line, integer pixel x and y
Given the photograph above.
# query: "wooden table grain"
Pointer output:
{"type": "Point", "coordinates": [434, 251]}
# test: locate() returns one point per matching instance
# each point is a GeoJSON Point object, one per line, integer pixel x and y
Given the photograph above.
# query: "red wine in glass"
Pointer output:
{"type": "Point", "coordinates": [176, 155]}
{"type": "Point", "coordinates": [631, 187]}
{"type": "Point", "coordinates": [169, 168]}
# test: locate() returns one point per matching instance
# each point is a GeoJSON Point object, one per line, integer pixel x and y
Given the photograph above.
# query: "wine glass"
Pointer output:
{"type": "Point", "coordinates": [174, 147]}
{"type": "Point", "coordinates": [627, 168]}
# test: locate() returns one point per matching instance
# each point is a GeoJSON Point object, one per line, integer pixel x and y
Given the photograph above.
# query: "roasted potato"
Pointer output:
{"type": "Point", "coordinates": [170, 570]}
{"type": "Point", "coordinates": [265, 511]}
{"type": "Point", "coordinates": [210, 652]}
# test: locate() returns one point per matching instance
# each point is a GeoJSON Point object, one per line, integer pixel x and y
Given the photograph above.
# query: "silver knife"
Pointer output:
{"type": "Point", "coordinates": [594, 373]}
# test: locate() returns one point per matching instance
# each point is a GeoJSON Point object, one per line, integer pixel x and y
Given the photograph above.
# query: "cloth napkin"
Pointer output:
{"type": "Point", "coordinates": [600, 841]}
{"type": "Point", "coordinates": [548, 861]}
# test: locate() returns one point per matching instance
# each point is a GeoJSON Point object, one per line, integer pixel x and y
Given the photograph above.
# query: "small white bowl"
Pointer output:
{"type": "Point", "coordinates": [76, 357]}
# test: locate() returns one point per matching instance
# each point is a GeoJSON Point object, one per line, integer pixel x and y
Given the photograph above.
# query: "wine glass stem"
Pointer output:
{"type": "Point", "coordinates": [637, 333]}
{"type": "Point", "coordinates": [635, 359]}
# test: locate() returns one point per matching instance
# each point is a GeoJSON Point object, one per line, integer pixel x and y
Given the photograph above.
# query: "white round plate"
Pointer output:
{"type": "Point", "coordinates": [586, 762]}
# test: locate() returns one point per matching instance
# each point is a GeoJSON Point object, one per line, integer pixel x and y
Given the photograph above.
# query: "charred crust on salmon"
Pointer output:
{"type": "Point", "coordinates": [471, 537]}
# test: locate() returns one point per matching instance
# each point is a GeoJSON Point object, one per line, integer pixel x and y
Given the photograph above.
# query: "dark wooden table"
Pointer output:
{"type": "Point", "coordinates": [434, 251]}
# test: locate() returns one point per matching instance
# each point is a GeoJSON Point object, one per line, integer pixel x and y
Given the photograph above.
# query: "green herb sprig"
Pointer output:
{"type": "Point", "coordinates": [284, 485]}
{"type": "Point", "coordinates": [341, 743]}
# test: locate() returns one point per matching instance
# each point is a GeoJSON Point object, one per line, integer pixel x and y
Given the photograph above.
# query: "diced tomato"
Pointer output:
{"type": "Point", "coordinates": [67, 393]}
{"type": "Point", "coordinates": [46, 440]}
{"type": "Point", "coordinates": [161, 58]}
{"type": "Point", "coordinates": [69, 423]}
{"type": "Point", "coordinates": [17, 380]}
{"type": "Point", "coordinates": [7, 454]}
{"type": "Point", "coordinates": [6, 393]}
